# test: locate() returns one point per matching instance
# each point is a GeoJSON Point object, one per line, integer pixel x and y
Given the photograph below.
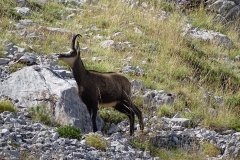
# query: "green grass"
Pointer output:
{"type": "Point", "coordinates": [69, 131]}
{"type": "Point", "coordinates": [42, 114]}
{"type": "Point", "coordinates": [110, 115]}
{"type": "Point", "coordinates": [6, 105]}
{"type": "Point", "coordinates": [16, 66]}
{"type": "Point", "coordinates": [166, 111]}
{"type": "Point", "coordinates": [210, 149]}
{"type": "Point", "coordinates": [96, 141]}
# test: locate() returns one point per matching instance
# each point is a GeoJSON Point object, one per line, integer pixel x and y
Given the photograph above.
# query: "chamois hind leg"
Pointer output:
{"type": "Point", "coordinates": [123, 108]}
{"type": "Point", "coordinates": [139, 115]}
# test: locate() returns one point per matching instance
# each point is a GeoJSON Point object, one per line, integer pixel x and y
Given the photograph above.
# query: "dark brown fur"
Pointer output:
{"type": "Point", "coordinates": [96, 88]}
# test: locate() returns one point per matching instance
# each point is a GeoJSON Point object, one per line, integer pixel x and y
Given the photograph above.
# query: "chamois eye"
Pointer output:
{"type": "Point", "coordinates": [107, 89]}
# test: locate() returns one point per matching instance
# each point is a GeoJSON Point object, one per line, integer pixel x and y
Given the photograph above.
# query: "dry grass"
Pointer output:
{"type": "Point", "coordinates": [171, 62]}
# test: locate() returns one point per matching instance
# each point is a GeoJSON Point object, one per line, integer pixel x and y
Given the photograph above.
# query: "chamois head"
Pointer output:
{"type": "Point", "coordinates": [73, 55]}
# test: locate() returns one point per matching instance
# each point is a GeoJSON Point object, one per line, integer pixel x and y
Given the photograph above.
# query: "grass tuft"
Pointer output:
{"type": "Point", "coordinates": [96, 141]}
{"type": "Point", "coordinates": [210, 149]}
{"type": "Point", "coordinates": [69, 131]}
{"type": "Point", "coordinates": [109, 115]}
{"type": "Point", "coordinates": [42, 114]}
{"type": "Point", "coordinates": [16, 66]}
{"type": "Point", "coordinates": [6, 105]}
{"type": "Point", "coordinates": [166, 111]}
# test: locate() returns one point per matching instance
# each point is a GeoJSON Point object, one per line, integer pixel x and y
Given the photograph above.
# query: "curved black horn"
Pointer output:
{"type": "Point", "coordinates": [73, 40]}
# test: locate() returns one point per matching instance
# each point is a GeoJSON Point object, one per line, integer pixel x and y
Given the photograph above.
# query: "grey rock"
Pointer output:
{"type": "Point", "coordinates": [55, 135]}
{"type": "Point", "coordinates": [215, 38]}
{"type": "Point", "coordinates": [108, 44]}
{"type": "Point", "coordinates": [23, 10]}
{"type": "Point", "coordinates": [113, 129]}
{"type": "Point", "coordinates": [157, 98]}
{"type": "Point", "coordinates": [14, 154]}
{"type": "Point", "coordinates": [133, 70]}
{"type": "Point", "coordinates": [45, 87]}
{"type": "Point", "coordinates": [5, 131]}
{"type": "Point", "coordinates": [28, 58]}
{"type": "Point", "coordinates": [222, 6]}
{"type": "Point", "coordinates": [220, 19]}
{"type": "Point", "coordinates": [64, 73]}
{"type": "Point", "coordinates": [78, 155]}
{"type": "Point", "coordinates": [233, 14]}
{"type": "Point", "coordinates": [4, 61]}
{"type": "Point", "coordinates": [137, 86]}
{"type": "Point", "coordinates": [26, 22]}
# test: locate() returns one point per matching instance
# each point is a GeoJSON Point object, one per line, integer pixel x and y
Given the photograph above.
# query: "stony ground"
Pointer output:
{"type": "Point", "coordinates": [21, 138]}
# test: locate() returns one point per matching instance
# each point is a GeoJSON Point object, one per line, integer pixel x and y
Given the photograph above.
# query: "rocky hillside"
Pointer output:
{"type": "Point", "coordinates": [182, 59]}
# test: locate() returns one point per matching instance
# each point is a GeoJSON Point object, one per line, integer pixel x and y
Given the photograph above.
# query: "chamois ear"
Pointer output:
{"type": "Point", "coordinates": [78, 49]}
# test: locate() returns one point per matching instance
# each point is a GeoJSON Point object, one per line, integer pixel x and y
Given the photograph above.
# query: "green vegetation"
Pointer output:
{"type": "Point", "coordinates": [109, 115]}
{"type": "Point", "coordinates": [16, 66]}
{"type": "Point", "coordinates": [69, 131]}
{"type": "Point", "coordinates": [142, 142]}
{"type": "Point", "coordinates": [96, 141]}
{"type": "Point", "coordinates": [7, 105]}
{"type": "Point", "coordinates": [42, 114]}
{"type": "Point", "coordinates": [166, 111]}
{"type": "Point", "coordinates": [210, 149]}
{"type": "Point", "coordinates": [28, 155]}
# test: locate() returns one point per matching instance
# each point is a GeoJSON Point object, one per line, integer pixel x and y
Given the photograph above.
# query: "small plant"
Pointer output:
{"type": "Point", "coordinates": [96, 141]}
{"type": "Point", "coordinates": [42, 114]}
{"type": "Point", "coordinates": [28, 155]}
{"type": "Point", "coordinates": [110, 116]}
{"type": "Point", "coordinates": [166, 111]}
{"type": "Point", "coordinates": [69, 131]}
{"type": "Point", "coordinates": [210, 149]}
{"type": "Point", "coordinates": [6, 105]}
{"type": "Point", "coordinates": [13, 144]}
{"type": "Point", "coordinates": [16, 66]}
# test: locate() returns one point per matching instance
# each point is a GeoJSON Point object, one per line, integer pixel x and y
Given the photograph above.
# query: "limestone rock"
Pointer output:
{"type": "Point", "coordinates": [35, 85]}
{"type": "Point", "coordinates": [215, 38]}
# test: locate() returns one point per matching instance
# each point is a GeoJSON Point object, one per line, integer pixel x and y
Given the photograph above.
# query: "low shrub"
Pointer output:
{"type": "Point", "coordinates": [6, 105]}
{"type": "Point", "coordinates": [210, 149]}
{"type": "Point", "coordinates": [96, 141]}
{"type": "Point", "coordinates": [69, 131]}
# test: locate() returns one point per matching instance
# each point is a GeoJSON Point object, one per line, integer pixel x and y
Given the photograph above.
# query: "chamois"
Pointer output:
{"type": "Point", "coordinates": [107, 89]}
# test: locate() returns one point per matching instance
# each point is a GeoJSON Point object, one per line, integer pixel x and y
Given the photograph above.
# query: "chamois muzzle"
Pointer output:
{"type": "Point", "coordinates": [66, 55]}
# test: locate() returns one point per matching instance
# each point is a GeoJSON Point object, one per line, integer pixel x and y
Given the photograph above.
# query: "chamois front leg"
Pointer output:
{"type": "Point", "coordinates": [94, 107]}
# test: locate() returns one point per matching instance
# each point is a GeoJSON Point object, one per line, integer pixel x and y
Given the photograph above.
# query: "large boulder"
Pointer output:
{"type": "Point", "coordinates": [38, 85]}
{"type": "Point", "coordinates": [228, 12]}
{"type": "Point", "coordinates": [210, 36]}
